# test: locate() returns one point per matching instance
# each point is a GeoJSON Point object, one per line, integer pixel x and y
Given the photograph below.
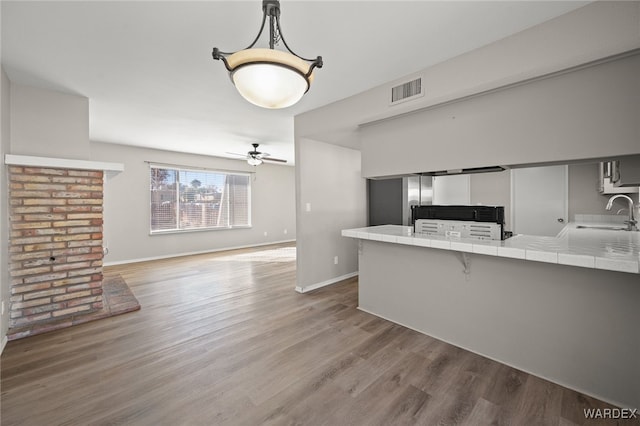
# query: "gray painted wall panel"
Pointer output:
{"type": "Point", "coordinates": [47, 123]}
{"type": "Point", "coordinates": [493, 189]}
{"type": "Point", "coordinates": [584, 197]}
{"type": "Point", "coordinates": [5, 280]}
{"type": "Point", "coordinates": [598, 30]}
{"type": "Point", "coordinates": [595, 31]}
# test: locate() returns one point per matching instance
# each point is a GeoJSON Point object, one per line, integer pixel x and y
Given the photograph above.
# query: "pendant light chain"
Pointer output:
{"type": "Point", "coordinates": [276, 35]}
{"type": "Point", "coordinates": [273, 35]}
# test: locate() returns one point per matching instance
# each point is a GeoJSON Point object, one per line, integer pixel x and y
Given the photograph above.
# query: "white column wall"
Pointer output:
{"type": "Point", "coordinates": [330, 197]}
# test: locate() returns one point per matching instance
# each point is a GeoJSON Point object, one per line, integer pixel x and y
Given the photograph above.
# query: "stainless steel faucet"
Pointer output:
{"type": "Point", "coordinates": [631, 223]}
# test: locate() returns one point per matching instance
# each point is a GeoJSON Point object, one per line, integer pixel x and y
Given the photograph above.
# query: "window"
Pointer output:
{"type": "Point", "coordinates": [183, 199]}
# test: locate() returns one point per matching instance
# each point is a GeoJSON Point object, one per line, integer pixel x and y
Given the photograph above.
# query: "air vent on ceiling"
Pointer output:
{"type": "Point", "coordinates": [407, 91]}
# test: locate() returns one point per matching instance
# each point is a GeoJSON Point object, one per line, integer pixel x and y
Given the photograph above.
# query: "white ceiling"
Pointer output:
{"type": "Point", "coordinates": [146, 66]}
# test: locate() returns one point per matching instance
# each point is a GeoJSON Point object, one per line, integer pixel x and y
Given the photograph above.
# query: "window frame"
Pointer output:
{"type": "Point", "coordinates": [178, 170]}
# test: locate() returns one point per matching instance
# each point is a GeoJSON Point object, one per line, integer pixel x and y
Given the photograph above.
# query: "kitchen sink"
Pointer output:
{"type": "Point", "coordinates": [604, 228]}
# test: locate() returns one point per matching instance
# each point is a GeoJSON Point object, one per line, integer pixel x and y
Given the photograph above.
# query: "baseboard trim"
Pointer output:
{"type": "Point", "coordinates": [169, 256]}
{"type": "Point", "coordinates": [316, 286]}
{"type": "Point", "coordinates": [3, 344]}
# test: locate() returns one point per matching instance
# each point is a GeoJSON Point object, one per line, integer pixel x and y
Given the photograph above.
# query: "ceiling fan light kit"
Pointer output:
{"type": "Point", "coordinates": [269, 78]}
{"type": "Point", "coordinates": [254, 161]}
{"type": "Point", "coordinates": [255, 157]}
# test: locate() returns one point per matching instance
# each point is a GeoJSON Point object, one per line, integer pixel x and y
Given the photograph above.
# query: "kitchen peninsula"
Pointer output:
{"type": "Point", "coordinates": [563, 308]}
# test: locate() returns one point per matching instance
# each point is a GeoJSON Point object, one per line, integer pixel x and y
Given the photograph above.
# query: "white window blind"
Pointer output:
{"type": "Point", "coordinates": [183, 199]}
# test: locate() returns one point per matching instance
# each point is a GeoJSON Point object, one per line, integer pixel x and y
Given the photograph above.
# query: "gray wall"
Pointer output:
{"type": "Point", "coordinates": [328, 179]}
{"type": "Point", "coordinates": [588, 113]}
{"type": "Point", "coordinates": [53, 124]}
{"type": "Point", "coordinates": [584, 197]}
{"type": "Point", "coordinates": [5, 282]}
{"type": "Point", "coordinates": [126, 216]}
{"type": "Point", "coordinates": [574, 326]}
{"type": "Point", "coordinates": [493, 189]}
{"type": "Point", "coordinates": [597, 30]}
{"type": "Point", "coordinates": [47, 123]}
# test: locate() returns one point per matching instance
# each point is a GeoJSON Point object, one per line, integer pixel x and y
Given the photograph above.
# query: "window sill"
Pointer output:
{"type": "Point", "coordinates": [184, 231]}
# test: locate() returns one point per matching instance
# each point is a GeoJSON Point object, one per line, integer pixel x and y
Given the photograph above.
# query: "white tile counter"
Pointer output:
{"type": "Point", "coordinates": [587, 248]}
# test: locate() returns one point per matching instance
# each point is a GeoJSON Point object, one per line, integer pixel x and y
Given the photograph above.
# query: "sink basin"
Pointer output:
{"type": "Point", "coordinates": [604, 228]}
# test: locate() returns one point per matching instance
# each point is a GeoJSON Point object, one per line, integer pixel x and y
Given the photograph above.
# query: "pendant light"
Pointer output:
{"type": "Point", "coordinates": [269, 78]}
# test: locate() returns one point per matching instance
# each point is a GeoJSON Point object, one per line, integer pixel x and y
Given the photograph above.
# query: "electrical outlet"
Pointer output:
{"type": "Point", "coordinates": [308, 207]}
{"type": "Point", "coordinates": [285, 231]}
{"type": "Point", "coordinates": [335, 260]}
{"type": "Point", "coordinates": [2, 308]}
{"type": "Point", "coordinates": [265, 233]}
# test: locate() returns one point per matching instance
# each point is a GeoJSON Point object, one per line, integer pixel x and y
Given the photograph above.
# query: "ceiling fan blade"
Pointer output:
{"type": "Point", "coordinates": [277, 160]}
{"type": "Point", "coordinates": [235, 153]}
{"type": "Point", "coordinates": [264, 156]}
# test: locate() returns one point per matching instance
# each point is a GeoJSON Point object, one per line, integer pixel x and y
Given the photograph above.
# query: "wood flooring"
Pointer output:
{"type": "Point", "coordinates": [223, 339]}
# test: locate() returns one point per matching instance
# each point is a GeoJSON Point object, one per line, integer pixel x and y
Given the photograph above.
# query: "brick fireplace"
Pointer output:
{"type": "Point", "coordinates": [55, 245]}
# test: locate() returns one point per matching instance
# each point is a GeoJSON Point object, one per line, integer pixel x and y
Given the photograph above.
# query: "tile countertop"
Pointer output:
{"type": "Point", "coordinates": [587, 248]}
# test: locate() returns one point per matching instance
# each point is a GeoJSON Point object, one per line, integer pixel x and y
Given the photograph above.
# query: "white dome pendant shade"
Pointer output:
{"type": "Point", "coordinates": [269, 86]}
{"type": "Point", "coordinates": [269, 78]}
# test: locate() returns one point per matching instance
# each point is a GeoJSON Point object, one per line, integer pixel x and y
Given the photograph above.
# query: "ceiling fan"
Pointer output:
{"type": "Point", "coordinates": [256, 157]}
